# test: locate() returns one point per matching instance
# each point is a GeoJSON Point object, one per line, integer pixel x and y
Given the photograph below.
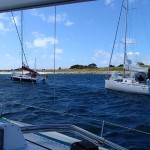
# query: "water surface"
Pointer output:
{"type": "Point", "coordinates": [81, 100]}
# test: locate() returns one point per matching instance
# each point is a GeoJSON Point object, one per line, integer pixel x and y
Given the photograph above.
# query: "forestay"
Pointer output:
{"type": "Point", "coordinates": [11, 5]}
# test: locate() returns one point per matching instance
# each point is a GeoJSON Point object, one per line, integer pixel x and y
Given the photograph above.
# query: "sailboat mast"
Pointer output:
{"type": "Point", "coordinates": [125, 44]}
{"type": "Point", "coordinates": [35, 64]}
{"type": "Point", "coordinates": [22, 38]}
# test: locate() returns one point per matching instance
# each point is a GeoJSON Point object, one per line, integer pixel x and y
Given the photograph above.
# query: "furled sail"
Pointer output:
{"type": "Point", "coordinates": [138, 68]}
{"type": "Point", "coordinates": [11, 5]}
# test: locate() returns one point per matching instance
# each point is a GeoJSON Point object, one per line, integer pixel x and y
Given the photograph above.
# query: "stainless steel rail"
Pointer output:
{"type": "Point", "coordinates": [72, 129]}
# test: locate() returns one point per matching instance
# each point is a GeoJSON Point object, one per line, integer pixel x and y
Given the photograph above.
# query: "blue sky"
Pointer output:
{"type": "Point", "coordinates": [84, 35]}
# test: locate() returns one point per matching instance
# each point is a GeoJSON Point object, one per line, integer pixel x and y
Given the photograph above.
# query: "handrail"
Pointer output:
{"type": "Point", "coordinates": [72, 129]}
{"type": "Point", "coordinates": [80, 116]}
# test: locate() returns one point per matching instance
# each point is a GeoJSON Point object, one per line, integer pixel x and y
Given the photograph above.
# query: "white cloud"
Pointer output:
{"type": "Point", "coordinates": [102, 58]}
{"type": "Point", "coordinates": [108, 2]}
{"type": "Point", "coordinates": [137, 53]}
{"type": "Point", "coordinates": [130, 53]}
{"type": "Point", "coordinates": [134, 57]}
{"type": "Point", "coordinates": [59, 18]}
{"type": "Point", "coordinates": [44, 42]}
{"type": "Point", "coordinates": [59, 51]}
{"type": "Point", "coordinates": [37, 14]}
{"type": "Point", "coordinates": [3, 29]}
{"type": "Point", "coordinates": [41, 41]}
{"type": "Point", "coordinates": [129, 41]}
{"type": "Point", "coordinates": [133, 53]}
{"type": "Point", "coordinates": [58, 54]}
{"type": "Point", "coordinates": [69, 23]}
{"type": "Point", "coordinates": [51, 18]}
{"type": "Point", "coordinates": [5, 23]}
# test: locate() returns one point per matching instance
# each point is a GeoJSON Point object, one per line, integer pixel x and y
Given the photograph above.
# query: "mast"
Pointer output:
{"type": "Point", "coordinates": [35, 64]}
{"type": "Point", "coordinates": [112, 51]}
{"type": "Point", "coordinates": [22, 52]}
{"type": "Point", "coordinates": [125, 43]}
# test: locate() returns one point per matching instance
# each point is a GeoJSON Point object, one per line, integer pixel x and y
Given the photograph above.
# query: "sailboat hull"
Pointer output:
{"type": "Point", "coordinates": [23, 79]}
{"type": "Point", "coordinates": [128, 87]}
{"type": "Point", "coordinates": [27, 78]}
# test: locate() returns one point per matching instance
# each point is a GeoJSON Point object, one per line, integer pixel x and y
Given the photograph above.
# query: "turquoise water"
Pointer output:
{"type": "Point", "coordinates": [81, 100]}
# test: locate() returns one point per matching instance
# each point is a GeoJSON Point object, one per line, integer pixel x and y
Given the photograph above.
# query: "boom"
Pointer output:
{"type": "Point", "coordinates": [12, 5]}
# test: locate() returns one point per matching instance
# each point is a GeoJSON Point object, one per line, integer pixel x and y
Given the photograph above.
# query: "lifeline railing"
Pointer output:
{"type": "Point", "coordinates": [97, 140]}
{"type": "Point", "coordinates": [104, 122]}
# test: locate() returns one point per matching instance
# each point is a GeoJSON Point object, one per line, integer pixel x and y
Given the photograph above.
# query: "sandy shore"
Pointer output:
{"type": "Point", "coordinates": [60, 72]}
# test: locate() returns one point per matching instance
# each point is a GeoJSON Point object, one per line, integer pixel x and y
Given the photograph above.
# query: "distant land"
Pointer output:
{"type": "Point", "coordinates": [77, 69]}
{"type": "Point", "coordinates": [63, 71]}
{"type": "Point", "coordinates": [103, 70]}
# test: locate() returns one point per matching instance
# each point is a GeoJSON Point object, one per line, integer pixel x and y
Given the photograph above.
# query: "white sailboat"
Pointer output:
{"type": "Point", "coordinates": [32, 75]}
{"type": "Point", "coordinates": [20, 136]}
{"type": "Point", "coordinates": [138, 80]}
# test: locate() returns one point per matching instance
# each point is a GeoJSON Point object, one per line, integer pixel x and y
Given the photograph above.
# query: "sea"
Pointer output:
{"type": "Point", "coordinates": [82, 100]}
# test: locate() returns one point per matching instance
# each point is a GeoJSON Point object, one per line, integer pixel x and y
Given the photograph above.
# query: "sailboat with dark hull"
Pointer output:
{"type": "Point", "coordinates": [32, 75]}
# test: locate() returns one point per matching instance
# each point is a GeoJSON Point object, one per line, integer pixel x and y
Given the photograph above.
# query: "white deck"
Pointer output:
{"type": "Point", "coordinates": [46, 140]}
{"type": "Point", "coordinates": [20, 136]}
{"type": "Point", "coordinates": [36, 142]}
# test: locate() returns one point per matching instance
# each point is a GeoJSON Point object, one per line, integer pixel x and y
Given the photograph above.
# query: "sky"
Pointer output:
{"type": "Point", "coordinates": [84, 34]}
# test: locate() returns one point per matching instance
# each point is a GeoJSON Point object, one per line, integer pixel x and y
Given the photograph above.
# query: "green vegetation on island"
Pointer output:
{"type": "Point", "coordinates": [80, 69]}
